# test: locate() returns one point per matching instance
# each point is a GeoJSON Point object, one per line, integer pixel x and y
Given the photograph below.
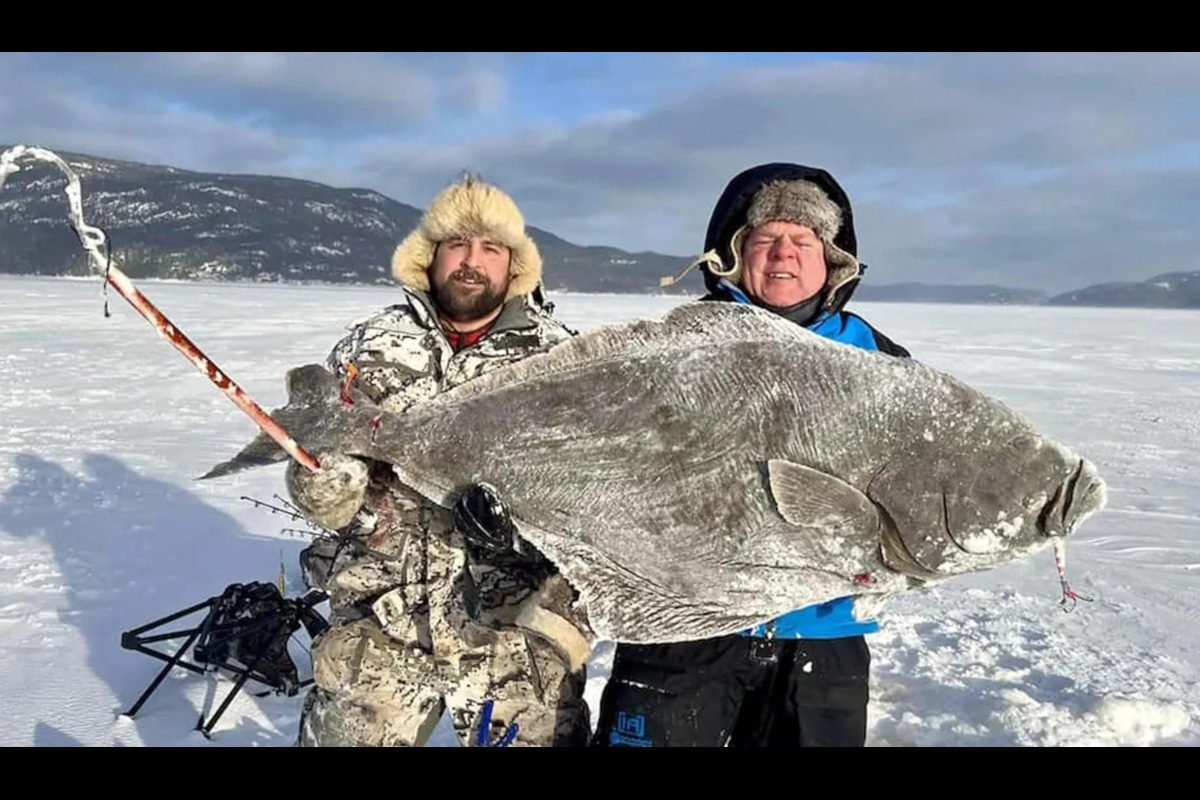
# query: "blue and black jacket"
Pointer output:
{"type": "Point", "coordinates": [834, 619]}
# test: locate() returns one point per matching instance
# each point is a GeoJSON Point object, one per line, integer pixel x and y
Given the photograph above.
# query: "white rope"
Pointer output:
{"type": "Point", "coordinates": [712, 257]}
{"type": "Point", "coordinates": [90, 237]}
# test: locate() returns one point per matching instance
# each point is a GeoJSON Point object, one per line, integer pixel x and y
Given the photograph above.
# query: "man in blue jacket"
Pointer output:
{"type": "Point", "coordinates": [781, 237]}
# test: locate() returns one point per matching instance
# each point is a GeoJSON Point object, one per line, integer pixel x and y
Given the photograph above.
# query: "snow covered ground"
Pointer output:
{"type": "Point", "coordinates": [104, 427]}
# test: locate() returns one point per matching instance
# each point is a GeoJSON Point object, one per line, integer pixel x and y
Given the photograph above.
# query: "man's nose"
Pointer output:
{"type": "Point", "coordinates": [472, 254]}
{"type": "Point", "coordinates": [782, 249]}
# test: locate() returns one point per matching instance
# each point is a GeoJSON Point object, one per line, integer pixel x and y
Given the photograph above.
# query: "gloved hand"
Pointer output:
{"type": "Point", "coordinates": [483, 520]}
{"type": "Point", "coordinates": [333, 495]}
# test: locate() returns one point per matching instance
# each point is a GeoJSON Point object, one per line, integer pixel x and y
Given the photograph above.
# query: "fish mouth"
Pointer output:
{"type": "Point", "coordinates": [1076, 499]}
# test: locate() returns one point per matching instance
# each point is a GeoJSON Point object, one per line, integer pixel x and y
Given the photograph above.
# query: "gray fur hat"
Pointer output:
{"type": "Point", "coordinates": [803, 203]}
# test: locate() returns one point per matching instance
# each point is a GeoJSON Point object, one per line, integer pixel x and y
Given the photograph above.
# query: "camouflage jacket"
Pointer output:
{"type": "Point", "coordinates": [400, 560]}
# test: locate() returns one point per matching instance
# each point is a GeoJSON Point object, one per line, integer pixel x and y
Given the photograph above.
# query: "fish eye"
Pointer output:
{"type": "Point", "coordinates": [1024, 441]}
{"type": "Point", "coordinates": [1035, 501]}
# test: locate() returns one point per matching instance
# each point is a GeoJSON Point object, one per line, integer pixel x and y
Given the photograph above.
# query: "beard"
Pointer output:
{"type": "Point", "coordinates": [461, 301]}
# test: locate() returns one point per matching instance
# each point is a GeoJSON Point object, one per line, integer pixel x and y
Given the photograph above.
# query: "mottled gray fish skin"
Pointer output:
{"type": "Point", "coordinates": [697, 475]}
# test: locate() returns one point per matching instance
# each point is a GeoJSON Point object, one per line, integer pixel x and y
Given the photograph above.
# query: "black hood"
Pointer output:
{"type": "Point", "coordinates": [729, 215]}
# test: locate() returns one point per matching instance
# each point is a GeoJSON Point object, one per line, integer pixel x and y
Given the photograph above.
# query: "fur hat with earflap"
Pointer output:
{"type": "Point", "coordinates": [470, 207]}
{"type": "Point", "coordinates": [803, 203]}
{"type": "Point", "coordinates": [780, 191]}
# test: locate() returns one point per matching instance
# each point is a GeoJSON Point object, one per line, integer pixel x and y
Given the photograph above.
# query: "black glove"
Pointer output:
{"type": "Point", "coordinates": [484, 521]}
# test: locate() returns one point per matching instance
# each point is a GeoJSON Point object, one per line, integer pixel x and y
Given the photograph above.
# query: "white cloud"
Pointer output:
{"type": "Point", "coordinates": [1009, 168]}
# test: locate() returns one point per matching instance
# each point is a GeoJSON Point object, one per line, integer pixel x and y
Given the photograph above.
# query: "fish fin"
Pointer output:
{"type": "Point", "coordinates": [561, 633]}
{"type": "Point", "coordinates": [809, 498]}
{"type": "Point", "coordinates": [314, 399]}
{"type": "Point", "coordinates": [261, 452]}
{"type": "Point", "coordinates": [684, 329]}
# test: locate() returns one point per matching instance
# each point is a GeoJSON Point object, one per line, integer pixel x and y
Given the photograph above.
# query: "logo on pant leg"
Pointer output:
{"type": "Point", "coordinates": [630, 731]}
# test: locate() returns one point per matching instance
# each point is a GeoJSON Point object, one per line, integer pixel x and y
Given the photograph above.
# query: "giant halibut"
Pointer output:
{"type": "Point", "coordinates": [697, 475]}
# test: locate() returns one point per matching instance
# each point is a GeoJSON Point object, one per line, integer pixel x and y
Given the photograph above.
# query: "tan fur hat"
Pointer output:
{"type": "Point", "coordinates": [469, 207]}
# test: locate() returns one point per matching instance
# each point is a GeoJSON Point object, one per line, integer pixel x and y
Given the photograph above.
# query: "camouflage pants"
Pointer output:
{"type": "Point", "coordinates": [372, 690]}
{"type": "Point", "coordinates": [418, 630]}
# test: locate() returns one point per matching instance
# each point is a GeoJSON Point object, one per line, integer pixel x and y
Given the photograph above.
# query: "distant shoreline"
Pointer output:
{"type": "Point", "coordinates": [557, 292]}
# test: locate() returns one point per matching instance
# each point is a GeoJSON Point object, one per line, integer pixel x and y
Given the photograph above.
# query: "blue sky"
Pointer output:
{"type": "Point", "coordinates": [1042, 170]}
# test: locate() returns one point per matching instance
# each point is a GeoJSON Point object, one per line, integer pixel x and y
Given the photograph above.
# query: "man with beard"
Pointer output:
{"type": "Point", "coordinates": [425, 616]}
